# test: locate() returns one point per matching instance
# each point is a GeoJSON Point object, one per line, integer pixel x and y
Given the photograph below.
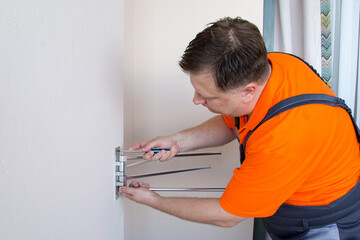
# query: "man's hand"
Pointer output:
{"type": "Point", "coordinates": [213, 132]}
{"type": "Point", "coordinates": [139, 192]}
{"type": "Point", "coordinates": [159, 142]}
{"type": "Point", "coordinates": [204, 210]}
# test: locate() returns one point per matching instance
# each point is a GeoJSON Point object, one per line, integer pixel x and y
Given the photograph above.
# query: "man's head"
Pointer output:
{"type": "Point", "coordinates": [231, 52]}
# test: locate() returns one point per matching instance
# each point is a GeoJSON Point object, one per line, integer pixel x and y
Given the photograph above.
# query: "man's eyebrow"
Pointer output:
{"type": "Point", "coordinates": [201, 95]}
{"type": "Point", "coordinates": [207, 97]}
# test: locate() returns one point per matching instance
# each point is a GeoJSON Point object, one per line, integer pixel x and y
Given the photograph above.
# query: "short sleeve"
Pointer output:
{"type": "Point", "coordinates": [274, 168]}
{"type": "Point", "coordinates": [230, 121]}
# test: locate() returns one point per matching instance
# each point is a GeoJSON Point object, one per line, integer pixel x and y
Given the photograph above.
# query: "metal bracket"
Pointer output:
{"type": "Point", "coordinates": [119, 171]}
{"type": "Point", "coordinates": [121, 157]}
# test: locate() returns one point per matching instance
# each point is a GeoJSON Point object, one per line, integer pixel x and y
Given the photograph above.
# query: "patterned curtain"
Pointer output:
{"type": "Point", "coordinates": [326, 40]}
{"type": "Point", "coordinates": [325, 33]}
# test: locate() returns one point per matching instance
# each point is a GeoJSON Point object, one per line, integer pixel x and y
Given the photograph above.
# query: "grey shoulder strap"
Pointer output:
{"type": "Point", "coordinates": [297, 101]}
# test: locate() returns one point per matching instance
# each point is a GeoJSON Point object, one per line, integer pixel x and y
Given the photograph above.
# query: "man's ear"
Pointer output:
{"type": "Point", "coordinates": [248, 92]}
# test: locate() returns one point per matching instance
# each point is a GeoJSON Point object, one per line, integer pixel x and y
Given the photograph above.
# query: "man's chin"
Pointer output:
{"type": "Point", "coordinates": [222, 113]}
{"type": "Point", "coordinates": [213, 111]}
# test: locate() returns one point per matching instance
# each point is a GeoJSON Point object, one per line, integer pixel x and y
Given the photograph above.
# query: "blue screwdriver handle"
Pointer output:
{"type": "Point", "coordinates": [157, 150]}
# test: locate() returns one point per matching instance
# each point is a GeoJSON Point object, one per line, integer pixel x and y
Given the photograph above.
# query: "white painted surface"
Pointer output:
{"type": "Point", "coordinates": [158, 101]}
{"type": "Point", "coordinates": [297, 29]}
{"type": "Point", "coordinates": [348, 55]}
{"type": "Point", "coordinates": [61, 117]}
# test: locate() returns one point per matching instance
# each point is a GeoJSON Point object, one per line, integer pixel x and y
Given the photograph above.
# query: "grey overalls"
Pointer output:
{"type": "Point", "coordinates": [338, 220]}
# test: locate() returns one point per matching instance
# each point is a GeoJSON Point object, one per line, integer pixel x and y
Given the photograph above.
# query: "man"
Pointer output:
{"type": "Point", "coordinates": [302, 163]}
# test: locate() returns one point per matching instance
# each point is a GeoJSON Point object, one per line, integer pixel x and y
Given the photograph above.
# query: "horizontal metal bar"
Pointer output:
{"type": "Point", "coordinates": [188, 154]}
{"type": "Point", "coordinates": [188, 189]}
{"type": "Point", "coordinates": [168, 172]}
{"type": "Point", "coordinates": [155, 150]}
{"type": "Point", "coordinates": [179, 155]}
{"type": "Point", "coordinates": [137, 163]}
{"type": "Point", "coordinates": [182, 189]}
{"type": "Point", "coordinates": [192, 154]}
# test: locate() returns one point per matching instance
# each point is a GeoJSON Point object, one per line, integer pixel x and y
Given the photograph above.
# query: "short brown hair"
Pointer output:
{"type": "Point", "coordinates": [232, 49]}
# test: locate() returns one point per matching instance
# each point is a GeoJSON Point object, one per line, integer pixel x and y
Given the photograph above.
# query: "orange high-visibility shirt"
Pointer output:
{"type": "Point", "coordinates": [308, 155]}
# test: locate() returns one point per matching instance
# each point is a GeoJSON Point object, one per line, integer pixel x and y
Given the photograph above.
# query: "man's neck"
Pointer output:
{"type": "Point", "coordinates": [259, 91]}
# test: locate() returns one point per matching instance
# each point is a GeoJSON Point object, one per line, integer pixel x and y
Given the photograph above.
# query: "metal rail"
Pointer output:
{"type": "Point", "coordinates": [167, 172]}
{"type": "Point", "coordinates": [188, 189]}
{"type": "Point", "coordinates": [131, 156]}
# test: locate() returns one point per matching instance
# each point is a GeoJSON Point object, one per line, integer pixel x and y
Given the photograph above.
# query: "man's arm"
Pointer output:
{"type": "Point", "coordinates": [213, 132]}
{"type": "Point", "coordinates": [203, 210]}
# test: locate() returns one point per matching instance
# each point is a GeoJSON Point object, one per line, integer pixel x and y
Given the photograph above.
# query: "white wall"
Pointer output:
{"type": "Point", "coordinates": [61, 117]}
{"type": "Point", "coordinates": [349, 57]}
{"type": "Point", "coordinates": [297, 29]}
{"type": "Point", "coordinates": [158, 101]}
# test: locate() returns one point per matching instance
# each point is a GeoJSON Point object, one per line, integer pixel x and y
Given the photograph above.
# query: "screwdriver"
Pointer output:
{"type": "Point", "coordinates": [155, 150]}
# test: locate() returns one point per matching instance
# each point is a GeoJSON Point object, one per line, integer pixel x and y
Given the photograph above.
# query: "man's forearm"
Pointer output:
{"type": "Point", "coordinates": [203, 210]}
{"type": "Point", "coordinates": [213, 132]}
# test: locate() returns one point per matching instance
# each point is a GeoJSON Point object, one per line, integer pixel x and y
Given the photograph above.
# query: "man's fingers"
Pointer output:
{"type": "Point", "coordinates": [158, 155]}
{"type": "Point", "coordinates": [135, 147]}
{"type": "Point", "coordinates": [158, 142]}
{"type": "Point", "coordinates": [165, 156]}
{"type": "Point", "coordinates": [148, 155]}
{"type": "Point", "coordinates": [140, 194]}
{"type": "Point", "coordinates": [138, 145]}
{"type": "Point", "coordinates": [129, 196]}
{"type": "Point", "coordinates": [144, 185]}
{"type": "Point", "coordinates": [136, 184]}
{"type": "Point", "coordinates": [126, 191]}
{"type": "Point", "coordinates": [162, 155]}
{"type": "Point", "coordinates": [153, 143]}
{"type": "Point", "coordinates": [174, 150]}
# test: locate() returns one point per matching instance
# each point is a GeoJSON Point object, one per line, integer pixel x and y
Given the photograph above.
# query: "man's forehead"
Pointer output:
{"type": "Point", "coordinates": [205, 79]}
{"type": "Point", "coordinates": [203, 82]}
{"type": "Point", "coordinates": [203, 76]}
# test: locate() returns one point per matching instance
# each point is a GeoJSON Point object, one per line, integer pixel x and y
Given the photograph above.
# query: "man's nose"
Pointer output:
{"type": "Point", "coordinates": [198, 99]}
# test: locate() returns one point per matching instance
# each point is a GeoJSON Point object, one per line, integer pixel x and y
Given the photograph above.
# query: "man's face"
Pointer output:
{"type": "Point", "coordinates": [207, 94]}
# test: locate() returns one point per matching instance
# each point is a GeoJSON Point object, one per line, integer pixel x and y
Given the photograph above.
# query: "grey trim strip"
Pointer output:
{"type": "Point", "coordinates": [335, 31]}
{"type": "Point", "coordinates": [268, 24]}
